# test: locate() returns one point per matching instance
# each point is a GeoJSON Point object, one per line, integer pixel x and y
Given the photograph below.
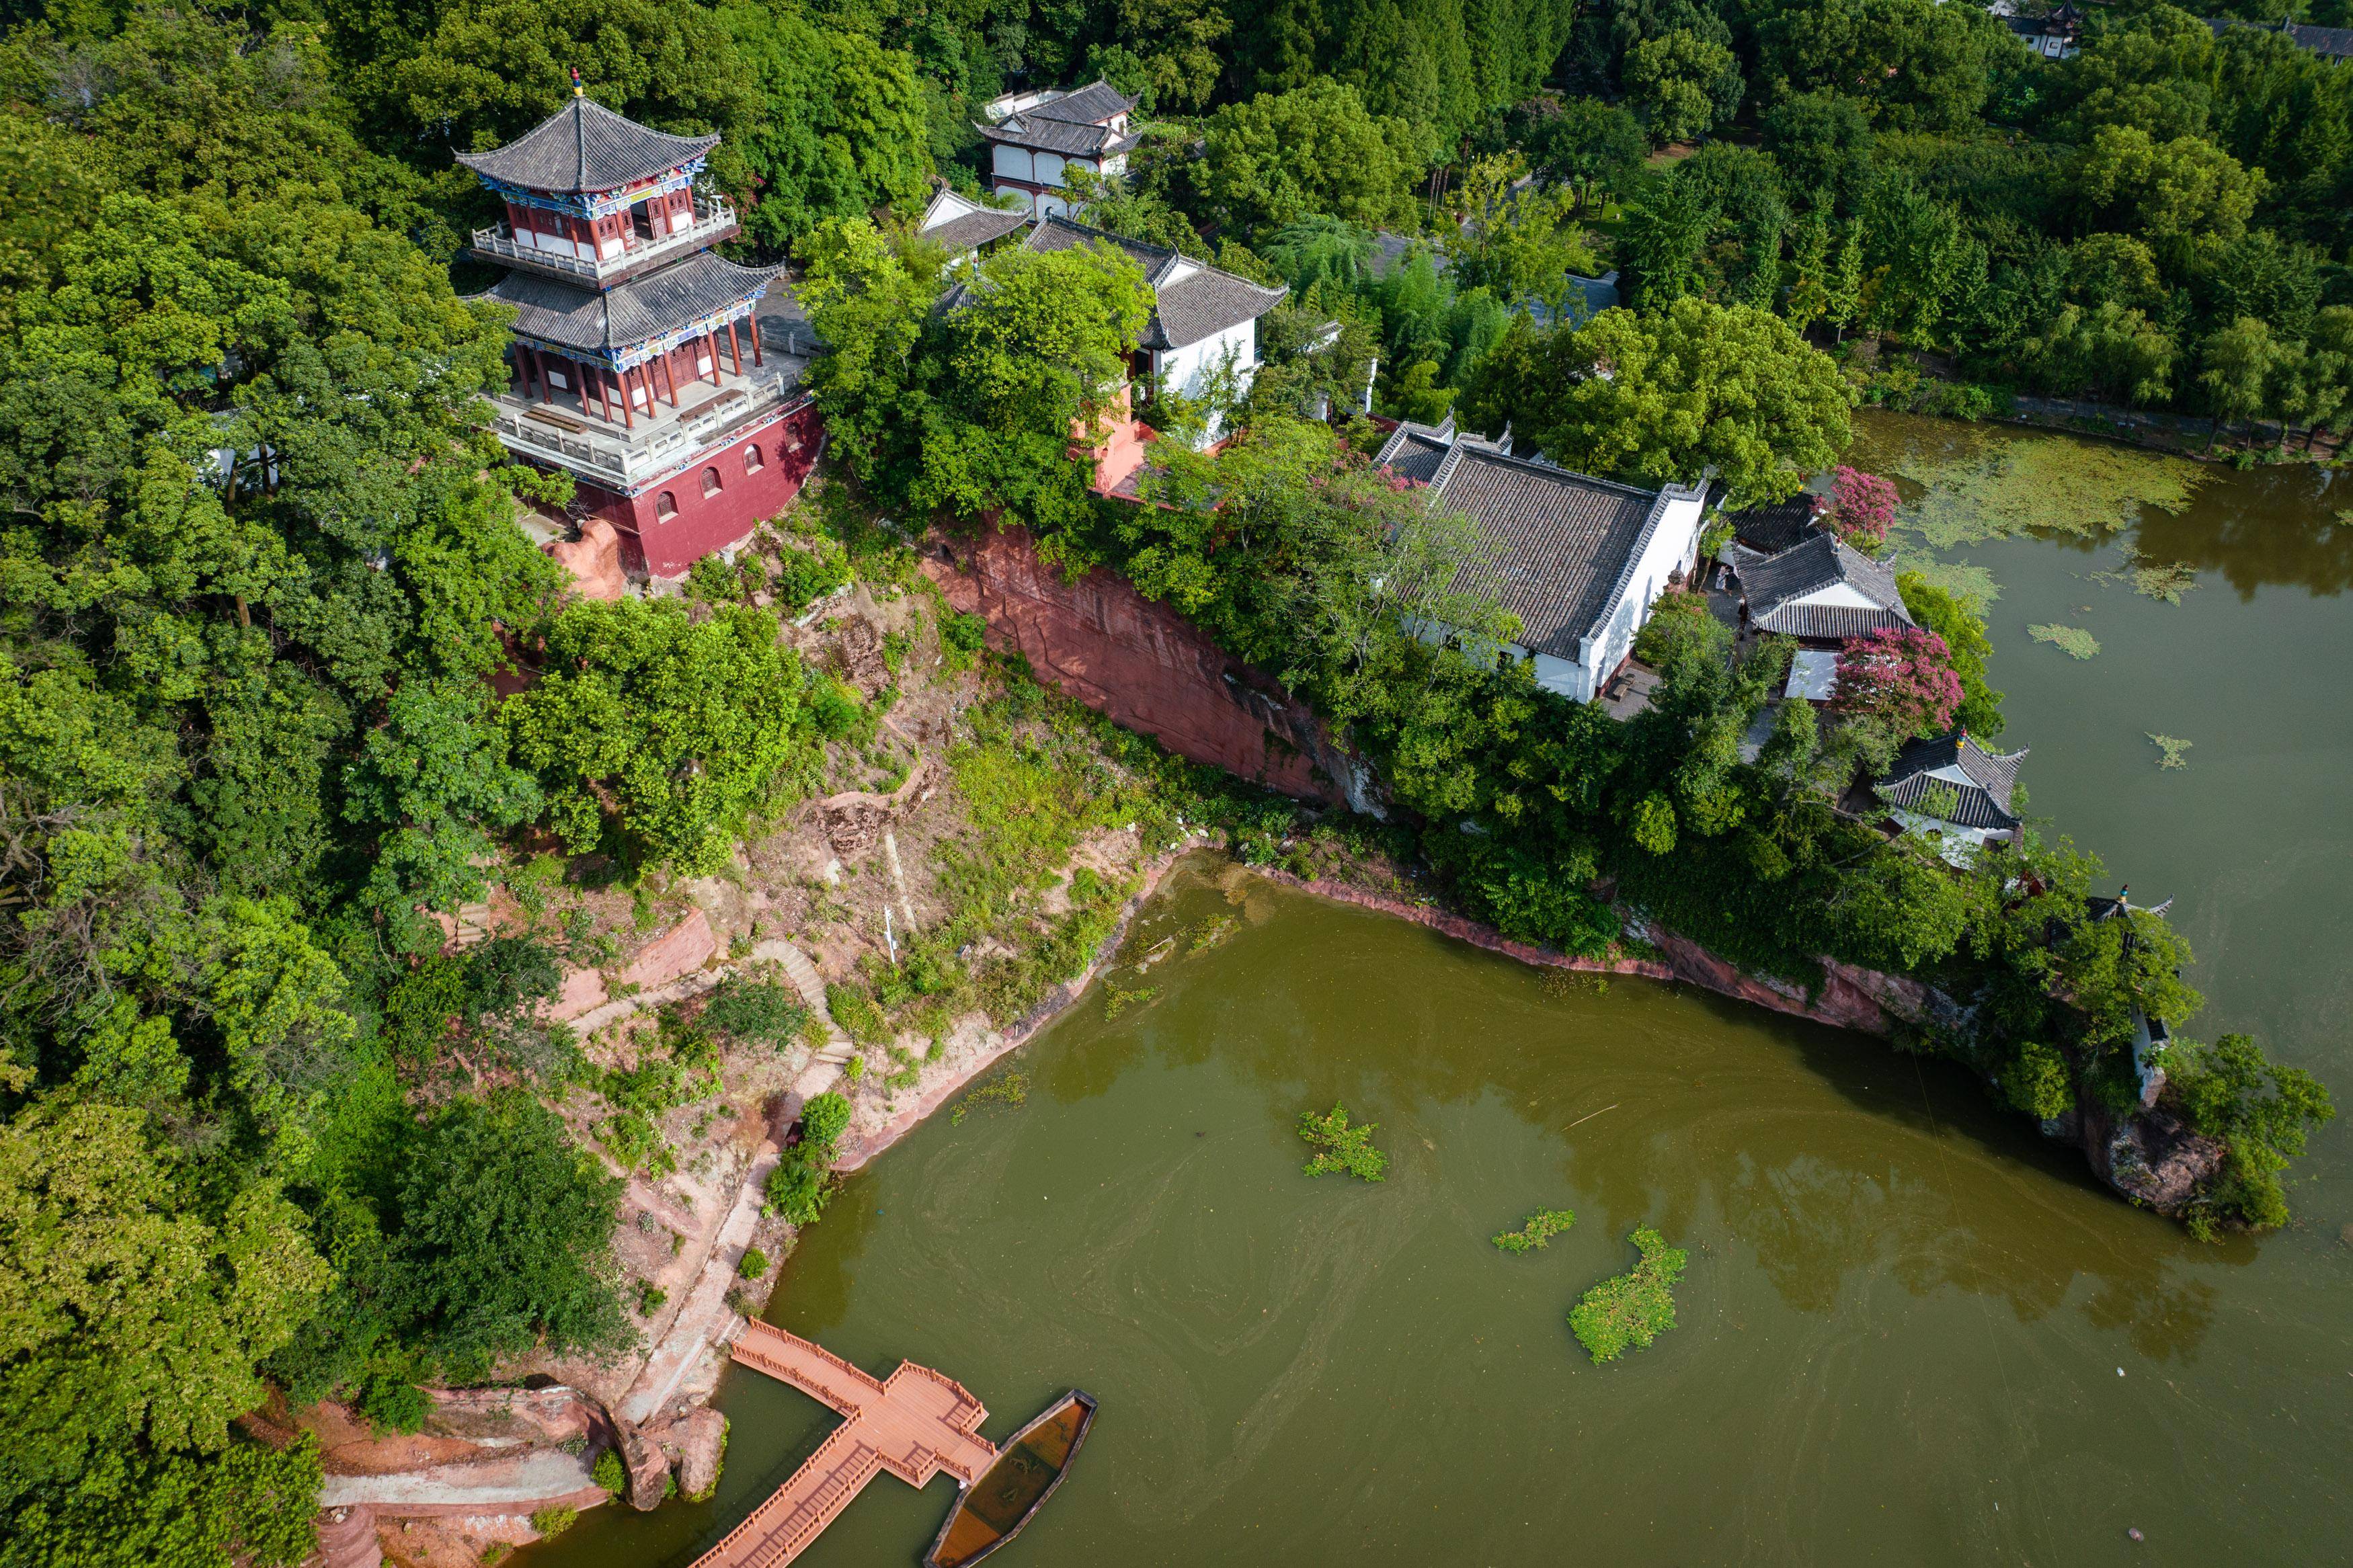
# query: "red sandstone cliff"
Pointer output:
{"type": "Point", "coordinates": [1145, 667]}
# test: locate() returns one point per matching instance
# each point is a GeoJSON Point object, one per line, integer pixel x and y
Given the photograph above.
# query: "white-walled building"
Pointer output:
{"type": "Point", "coordinates": [1578, 560]}
{"type": "Point", "coordinates": [1204, 321]}
{"type": "Point", "coordinates": [1036, 138]}
{"type": "Point", "coordinates": [967, 227]}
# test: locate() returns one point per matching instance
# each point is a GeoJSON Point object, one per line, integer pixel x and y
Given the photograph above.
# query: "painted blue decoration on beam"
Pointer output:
{"type": "Point", "coordinates": [596, 203]}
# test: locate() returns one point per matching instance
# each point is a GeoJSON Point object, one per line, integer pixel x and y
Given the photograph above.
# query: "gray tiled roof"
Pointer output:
{"type": "Point", "coordinates": [1414, 452]}
{"type": "Point", "coordinates": [1199, 305]}
{"type": "Point", "coordinates": [970, 230]}
{"type": "Point", "coordinates": [1089, 105]}
{"type": "Point", "coordinates": [614, 319]}
{"type": "Point", "coordinates": [583, 147]}
{"type": "Point", "coordinates": [1057, 136]}
{"type": "Point", "coordinates": [1984, 801]}
{"type": "Point", "coordinates": [2337, 43]}
{"type": "Point", "coordinates": [1775, 526]}
{"type": "Point", "coordinates": [1822, 561]}
{"type": "Point", "coordinates": [1556, 542]}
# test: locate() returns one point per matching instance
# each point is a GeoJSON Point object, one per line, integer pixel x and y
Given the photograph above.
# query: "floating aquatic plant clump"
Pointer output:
{"type": "Point", "coordinates": [2073, 640]}
{"type": "Point", "coordinates": [1538, 1228]}
{"type": "Point", "coordinates": [1341, 1149]}
{"type": "Point", "coordinates": [2164, 580]}
{"type": "Point", "coordinates": [2172, 746]}
{"type": "Point", "coordinates": [1635, 1307]}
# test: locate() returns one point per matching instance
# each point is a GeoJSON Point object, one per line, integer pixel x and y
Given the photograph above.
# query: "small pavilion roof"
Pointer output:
{"type": "Point", "coordinates": [603, 321]}
{"type": "Point", "coordinates": [1982, 782]}
{"type": "Point", "coordinates": [585, 147]}
{"type": "Point", "coordinates": [962, 224]}
{"type": "Point", "coordinates": [1777, 583]}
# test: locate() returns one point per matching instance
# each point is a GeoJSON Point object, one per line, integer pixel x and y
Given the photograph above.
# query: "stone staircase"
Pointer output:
{"type": "Point", "coordinates": [837, 1048]}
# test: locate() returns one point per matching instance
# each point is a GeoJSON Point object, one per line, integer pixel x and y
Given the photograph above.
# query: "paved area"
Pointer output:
{"type": "Point", "coordinates": [914, 1424]}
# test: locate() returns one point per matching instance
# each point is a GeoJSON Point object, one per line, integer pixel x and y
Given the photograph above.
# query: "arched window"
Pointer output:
{"type": "Point", "coordinates": [710, 481]}
{"type": "Point", "coordinates": [751, 459]}
{"type": "Point", "coordinates": [665, 507]}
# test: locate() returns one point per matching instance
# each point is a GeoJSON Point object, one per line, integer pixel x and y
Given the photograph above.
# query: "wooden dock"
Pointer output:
{"type": "Point", "coordinates": [914, 1424]}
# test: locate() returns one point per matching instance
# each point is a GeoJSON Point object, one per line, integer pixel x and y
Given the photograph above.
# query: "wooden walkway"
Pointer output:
{"type": "Point", "coordinates": [914, 1424]}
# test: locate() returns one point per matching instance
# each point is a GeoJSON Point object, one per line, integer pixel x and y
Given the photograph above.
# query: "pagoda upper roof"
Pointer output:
{"type": "Point", "coordinates": [610, 320]}
{"type": "Point", "coordinates": [585, 147]}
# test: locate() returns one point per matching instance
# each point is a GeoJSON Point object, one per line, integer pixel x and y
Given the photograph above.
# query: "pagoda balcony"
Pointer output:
{"type": "Point", "coordinates": [569, 434]}
{"type": "Point", "coordinates": [556, 257]}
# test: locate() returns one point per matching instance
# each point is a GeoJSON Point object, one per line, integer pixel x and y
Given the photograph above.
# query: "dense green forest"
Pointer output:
{"type": "Point", "coordinates": [258, 558]}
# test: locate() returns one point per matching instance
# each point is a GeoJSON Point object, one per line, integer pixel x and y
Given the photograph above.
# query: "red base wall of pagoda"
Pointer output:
{"type": "Point", "coordinates": [666, 546]}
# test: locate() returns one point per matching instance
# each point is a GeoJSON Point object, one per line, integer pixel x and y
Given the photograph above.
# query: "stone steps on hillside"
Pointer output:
{"type": "Point", "coordinates": [837, 1048]}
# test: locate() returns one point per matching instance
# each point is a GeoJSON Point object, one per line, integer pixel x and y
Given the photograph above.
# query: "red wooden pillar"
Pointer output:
{"type": "Point", "coordinates": [712, 339]}
{"type": "Point", "coordinates": [595, 372]}
{"type": "Point", "coordinates": [756, 359]}
{"type": "Point", "coordinates": [734, 349]}
{"type": "Point", "coordinates": [669, 373]}
{"type": "Point", "coordinates": [629, 419]}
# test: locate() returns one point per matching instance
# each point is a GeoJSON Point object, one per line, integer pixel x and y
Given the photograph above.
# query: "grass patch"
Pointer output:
{"type": "Point", "coordinates": [1341, 1149]}
{"type": "Point", "coordinates": [766, 1011]}
{"type": "Point", "coordinates": [2171, 747]}
{"type": "Point", "coordinates": [550, 1521]}
{"type": "Point", "coordinates": [1535, 1231]}
{"type": "Point", "coordinates": [2074, 641]}
{"type": "Point", "coordinates": [1633, 1309]}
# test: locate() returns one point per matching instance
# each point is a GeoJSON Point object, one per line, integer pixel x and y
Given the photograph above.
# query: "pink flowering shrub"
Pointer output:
{"type": "Point", "coordinates": [1901, 674]}
{"type": "Point", "coordinates": [1862, 505]}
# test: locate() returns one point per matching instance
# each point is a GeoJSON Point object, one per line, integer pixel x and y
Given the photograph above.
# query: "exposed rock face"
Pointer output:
{"type": "Point", "coordinates": [2152, 1157]}
{"type": "Point", "coordinates": [594, 560]}
{"type": "Point", "coordinates": [854, 825]}
{"type": "Point", "coordinates": [701, 1437]}
{"type": "Point", "coordinates": [1145, 667]}
{"type": "Point", "coordinates": [347, 1539]}
{"type": "Point", "coordinates": [681, 949]}
{"type": "Point", "coordinates": [862, 656]}
{"type": "Point", "coordinates": [584, 992]}
{"type": "Point", "coordinates": [648, 1467]}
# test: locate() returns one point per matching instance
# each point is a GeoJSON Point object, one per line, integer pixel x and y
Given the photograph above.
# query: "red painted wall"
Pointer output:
{"type": "Point", "coordinates": [665, 547]}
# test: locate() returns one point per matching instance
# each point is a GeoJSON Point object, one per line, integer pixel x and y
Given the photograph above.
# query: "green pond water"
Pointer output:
{"type": "Point", "coordinates": [1911, 1331]}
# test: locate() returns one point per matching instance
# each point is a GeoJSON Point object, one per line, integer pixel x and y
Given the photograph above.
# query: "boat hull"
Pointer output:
{"type": "Point", "coordinates": [994, 1508]}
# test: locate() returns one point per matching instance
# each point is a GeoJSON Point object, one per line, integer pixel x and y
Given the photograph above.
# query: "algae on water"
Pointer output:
{"type": "Point", "coordinates": [2172, 746]}
{"type": "Point", "coordinates": [1983, 483]}
{"type": "Point", "coordinates": [2164, 580]}
{"type": "Point", "coordinates": [2073, 640]}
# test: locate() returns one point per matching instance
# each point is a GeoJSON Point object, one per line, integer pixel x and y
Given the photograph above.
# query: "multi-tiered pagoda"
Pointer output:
{"type": "Point", "coordinates": [666, 380]}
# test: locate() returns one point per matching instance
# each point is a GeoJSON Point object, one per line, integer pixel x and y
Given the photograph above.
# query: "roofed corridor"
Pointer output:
{"type": "Point", "coordinates": [914, 1423]}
